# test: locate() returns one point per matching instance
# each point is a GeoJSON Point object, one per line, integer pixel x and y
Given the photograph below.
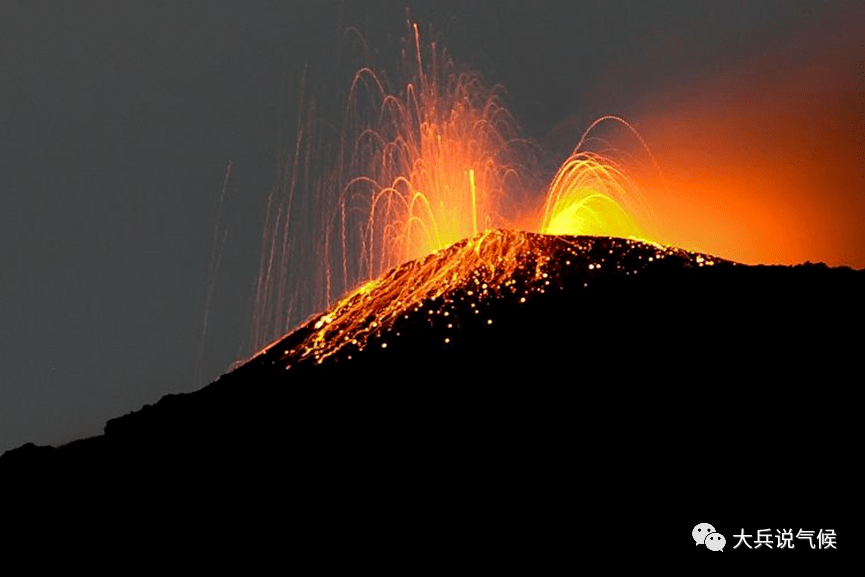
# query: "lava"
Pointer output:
{"type": "Point", "coordinates": [429, 163]}
{"type": "Point", "coordinates": [593, 193]}
{"type": "Point", "coordinates": [432, 167]}
{"type": "Point", "coordinates": [453, 287]}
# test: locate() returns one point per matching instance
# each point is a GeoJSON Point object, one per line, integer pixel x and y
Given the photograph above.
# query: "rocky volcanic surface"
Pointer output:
{"type": "Point", "coordinates": [588, 368]}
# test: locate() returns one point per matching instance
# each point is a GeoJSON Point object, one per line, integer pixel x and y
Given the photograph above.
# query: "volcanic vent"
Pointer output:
{"type": "Point", "coordinates": [507, 304]}
{"type": "Point", "coordinates": [477, 285]}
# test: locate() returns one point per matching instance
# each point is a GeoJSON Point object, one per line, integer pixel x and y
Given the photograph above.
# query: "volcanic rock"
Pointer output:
{"type": "Point", "coordinates": [514, 379]}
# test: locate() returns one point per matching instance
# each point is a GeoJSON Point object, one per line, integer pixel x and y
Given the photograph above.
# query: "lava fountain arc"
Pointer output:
{"type": "Point", "coordinates": [593, 192]}
{"type": "Point", "coordinates": [422, 163]}
{"type": "Point", "coordinates": [423, 166]}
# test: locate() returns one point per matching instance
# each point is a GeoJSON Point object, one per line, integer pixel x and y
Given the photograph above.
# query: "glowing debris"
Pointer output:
{"type": "Point", "coordinates": [510, 265]}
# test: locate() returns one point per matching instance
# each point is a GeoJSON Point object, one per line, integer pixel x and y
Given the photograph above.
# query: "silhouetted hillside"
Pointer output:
{"type": "Point", "coordinates": [515, 380]}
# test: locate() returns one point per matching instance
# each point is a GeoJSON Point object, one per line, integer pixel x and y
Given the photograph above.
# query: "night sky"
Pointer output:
{"type": "Point", "coordinates": [118, 120]}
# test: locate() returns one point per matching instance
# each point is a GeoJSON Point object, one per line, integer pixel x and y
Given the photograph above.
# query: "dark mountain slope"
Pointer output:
{"type": "Point", "coordinates": [515, 378]}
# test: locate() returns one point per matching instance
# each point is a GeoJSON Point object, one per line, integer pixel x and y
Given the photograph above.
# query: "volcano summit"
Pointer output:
{"type": "Point", "coordinates": [456, 292]}
{"type": "Point", "coordinates": [516, 362]}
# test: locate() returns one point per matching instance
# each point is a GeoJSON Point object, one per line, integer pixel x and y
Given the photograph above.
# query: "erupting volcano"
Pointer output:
{"type": "Point", "coordinates": [465, 326]}
{"type": "Point", "coordinates": [457, 287]}
{"type": "Point", "coordinates": [509, 363]}
{"type": "Point", "coordinates": [429, 163]}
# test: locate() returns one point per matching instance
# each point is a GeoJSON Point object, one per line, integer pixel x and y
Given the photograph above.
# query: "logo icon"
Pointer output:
{"type": "Point", "coordinates": [705, 534]}
{"type": "Point", "coordinates": [701, 531]}
{"type": "Point", "coordinates": [715, 542]}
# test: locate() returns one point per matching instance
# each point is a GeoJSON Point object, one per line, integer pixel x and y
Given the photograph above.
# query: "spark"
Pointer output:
{"type": "Point", "coordinates": [437, 283]}
{"type": "Point", "coordinates": [424, 187]}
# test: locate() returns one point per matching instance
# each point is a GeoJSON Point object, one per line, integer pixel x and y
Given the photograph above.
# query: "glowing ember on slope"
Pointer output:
{"type": "Point", "coordinates": [457, 285]}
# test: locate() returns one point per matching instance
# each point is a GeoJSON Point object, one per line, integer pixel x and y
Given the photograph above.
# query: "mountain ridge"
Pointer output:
{"type": "Point", "coordinates": [628, 379]}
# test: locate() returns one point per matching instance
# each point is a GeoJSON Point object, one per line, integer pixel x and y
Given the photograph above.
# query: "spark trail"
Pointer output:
{"type": "Point", "coordinates": [421, 165]}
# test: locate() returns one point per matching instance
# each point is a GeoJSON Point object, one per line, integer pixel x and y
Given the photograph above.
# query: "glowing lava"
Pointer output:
{"type": "Point", "coordinates": [592, 193]}
{"type": "Point", "coordinates": [419, 168]}
{"type": "Point", "coordinates": [459, 286]}
{"type": "Point", "coordinates": [432, 167]}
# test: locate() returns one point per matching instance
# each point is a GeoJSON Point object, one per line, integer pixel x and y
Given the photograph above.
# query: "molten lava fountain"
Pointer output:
{"type": "Point", "coordinates": [420, 166]}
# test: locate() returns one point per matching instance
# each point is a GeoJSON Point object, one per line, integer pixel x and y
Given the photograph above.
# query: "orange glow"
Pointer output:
{"type": "Point", "coordinates": [475, 271]}
{"type": "Point", "coordinates": [433, 168]}
{"type": "Point", "coordinates": [764, 164]}
{"type": "Point", "coordinates": [421, 166]}
{"type": "Point", "coordinates": [423, 162]}
{"type": "Point", "coordinates": [442, 163]}
{"type": "Point", "coordinates": [485, 262]}
{"type": "Point", "coordinates": [768, 170]}
{"type": "Point", "coordinates": [593, 194]}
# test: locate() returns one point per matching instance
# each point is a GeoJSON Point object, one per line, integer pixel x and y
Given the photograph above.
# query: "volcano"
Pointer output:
{"type": "Point", "coordinates": [511, 377]}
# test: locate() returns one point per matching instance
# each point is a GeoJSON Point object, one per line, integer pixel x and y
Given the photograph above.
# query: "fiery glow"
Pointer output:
{"type": "Point", "coordinates": [420, 167]}
{"type": "Point", "coordinates": [486, 261]}
{"type": "Point", "coordinates": [592, 193]}
{"type": "Point", "coordinates": [431, 168]}
{"type": "Point", "coordinates": [762, 158]}
{"type": "Point", "coordinates": [427, 171]}
{"type": "Point", "coordinates": [456, 286]}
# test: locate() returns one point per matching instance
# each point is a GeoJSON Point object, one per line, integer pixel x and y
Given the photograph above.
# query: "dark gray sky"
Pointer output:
{"type": "Point", "coordinates": [118, 119]}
